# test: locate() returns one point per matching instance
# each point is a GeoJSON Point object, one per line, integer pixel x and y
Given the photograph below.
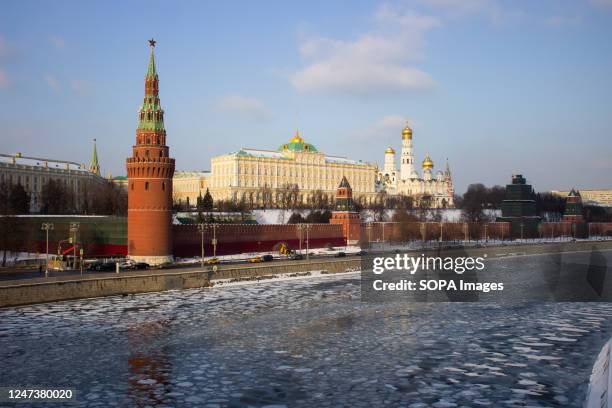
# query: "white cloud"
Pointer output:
{"type": "Point", "coordinates": [52, 82]}
{"type": "Point", "coordinates": [246, 107]}
{"type": "Point", "coordinates": [387, 128]}
{"type": "Point", "coordinates": [3, 79]}
{"type": "Point", "coordinates": [376, 62]}
{"type": "Point", "coordinates": [57, 42]}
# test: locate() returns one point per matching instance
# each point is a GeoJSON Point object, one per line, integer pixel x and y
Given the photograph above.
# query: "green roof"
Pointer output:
{"type": "Point", "coordinates": [298, 147]}
{"type": "Point", "coordinates": [151, 68]}
{"type": "Point", "coordinates": [151, 107]}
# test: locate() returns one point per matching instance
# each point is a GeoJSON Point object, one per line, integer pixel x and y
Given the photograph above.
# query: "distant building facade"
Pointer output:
{"type": "Point", "coordinates": [602, 197]}
{"type": "Point", "coordinates": [187, 186]}
{"type": "Point", "coordinates": [34, 172]}
{"type": "Point", "coordinates": [407, 181]}
{"type": "Point", "coordinates": [264, 178]}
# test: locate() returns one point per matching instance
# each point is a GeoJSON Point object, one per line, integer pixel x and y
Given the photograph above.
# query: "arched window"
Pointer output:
{"type": "Point", "coordinates": [146, 185]}
{"type": "Point", "coordinates": [164, 186]}
{"type": "Point", "coordinates": [148, 140]}
{"type": "Point", "coordinates": [146, 153]}
{"type": "Point", "coordinates": [132, 185]}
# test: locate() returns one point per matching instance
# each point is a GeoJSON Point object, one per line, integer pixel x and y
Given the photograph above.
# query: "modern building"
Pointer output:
{"type": "Point", "coordinates": [187, 186]}
{"type": "Point", "coordinates": [34, 172]}
{"type": "Point", "coordinates": [150, 171]}
{"type": "Point", "coordinates": [297, 170]}
{"type": "Point", "coordinates": [407, 181]}
{"type": "Point", "coordinates": [602, 197]}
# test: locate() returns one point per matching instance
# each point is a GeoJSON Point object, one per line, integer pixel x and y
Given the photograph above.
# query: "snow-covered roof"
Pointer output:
{"type": "Point", "coordinates": [268, 154]}
{"type": "Point", "coordinates": [189, 174]}
{"type": "Point", "coordinates": [18, 159]}
{"type": "Point", "coordinates": [343, 160]}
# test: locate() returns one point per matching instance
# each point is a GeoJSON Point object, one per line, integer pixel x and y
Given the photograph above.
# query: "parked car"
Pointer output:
{"type": "Point", "coordinates": [255, 259]}
{"type": "Point", "coordinates": [140, 265]}
{"type": "Point", "coordinates": [296, 257]}
{"type": "Point", "coordinates": [267, 258]}
{"type": "Point", "coordinates": [212, 261]}
{"type": "Point", "coordinates": [362, 253]}
{"type": "Point", "coordinates": [105, 266]}
{"type": "Point", "coordinates": [340, 255]}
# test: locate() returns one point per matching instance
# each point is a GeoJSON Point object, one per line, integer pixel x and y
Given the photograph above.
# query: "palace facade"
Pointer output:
{"type": "Point", "coordinates": [406, 181]}
{"type": "Point", "coordinates": [187, 186]}
{"type": "Point", "coordinates": [295, 173]}
{"type": "Point", "coordinates": [34, 172]}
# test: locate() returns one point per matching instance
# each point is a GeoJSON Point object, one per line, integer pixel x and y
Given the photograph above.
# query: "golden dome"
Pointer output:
{"type": "Point", "coordinates": [297, 138]}
{"type": "Point", "coordinates": [428, 163]}
{"type": "Point", "coordinates": [389, 150]}
{"type": "Point", "coordinates": [407, 133]}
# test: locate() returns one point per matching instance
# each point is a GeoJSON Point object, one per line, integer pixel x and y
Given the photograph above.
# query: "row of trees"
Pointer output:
{"type": "Point", "coordinates": [58, 198]}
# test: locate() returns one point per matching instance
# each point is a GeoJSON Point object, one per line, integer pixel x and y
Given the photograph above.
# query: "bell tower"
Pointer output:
{"type": "Point", "coordinates": [150, 171]}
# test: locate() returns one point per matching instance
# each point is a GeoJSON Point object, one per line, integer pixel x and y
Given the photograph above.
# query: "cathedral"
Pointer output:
{"type": "Point", "coordinates": [407, 181]}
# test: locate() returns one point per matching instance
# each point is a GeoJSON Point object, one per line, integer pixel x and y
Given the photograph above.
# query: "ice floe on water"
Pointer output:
{"type": "Point", "coordinates": [303, 342]}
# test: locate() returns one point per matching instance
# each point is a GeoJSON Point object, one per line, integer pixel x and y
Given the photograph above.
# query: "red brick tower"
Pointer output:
{"type": "Point", "coordinates": [345, 214]}
{"type": "Point", "coordinates": [150, 171]}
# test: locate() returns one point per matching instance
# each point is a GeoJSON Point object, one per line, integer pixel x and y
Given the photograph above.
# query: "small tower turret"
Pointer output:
{"type": "Point", "coordinates": [94, 166]}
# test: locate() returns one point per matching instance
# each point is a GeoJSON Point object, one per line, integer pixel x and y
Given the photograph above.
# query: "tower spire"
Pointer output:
{"type": "Point", "coordinates": [151, 68]}
{"type": "Point", "coordinates": [94, 166]}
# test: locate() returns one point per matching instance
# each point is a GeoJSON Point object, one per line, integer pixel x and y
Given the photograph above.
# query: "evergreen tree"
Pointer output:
{"type": "Point", "coordinates": [19, 200]}
{"type": "Point", "coordinates": [207, 201]}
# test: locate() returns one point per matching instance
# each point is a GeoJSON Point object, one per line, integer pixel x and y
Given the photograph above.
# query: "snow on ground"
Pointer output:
{"type": "Point", "coordinates": [349, 250]}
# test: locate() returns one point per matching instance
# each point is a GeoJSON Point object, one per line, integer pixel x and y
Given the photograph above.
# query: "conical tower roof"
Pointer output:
{"type": "Point", "coordinates": [151, 68]}
{"type": "Point", "coordinates": [344, 183]}
{"type": "Point", "coordinates": [94, 166]}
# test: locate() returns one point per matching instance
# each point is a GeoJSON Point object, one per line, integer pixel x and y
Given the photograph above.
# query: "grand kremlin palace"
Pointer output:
{"type": "Point", "coordinates": [265, 177]}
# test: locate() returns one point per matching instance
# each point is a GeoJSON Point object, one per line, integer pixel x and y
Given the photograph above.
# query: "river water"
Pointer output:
{"type": "Point", "coordinates": [306, 342]}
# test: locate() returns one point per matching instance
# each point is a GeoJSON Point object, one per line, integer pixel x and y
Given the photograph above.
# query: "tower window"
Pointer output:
{"type": "Point", "coordinates": [132, 185]}
{"type": "Point", "coordinates": [163, 186]}
{"type": "Point", "coordinates": [146, 185]}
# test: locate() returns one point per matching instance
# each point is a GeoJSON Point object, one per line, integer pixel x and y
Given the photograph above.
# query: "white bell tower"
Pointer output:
{"type": "Point", "coordinates": [407, 157]}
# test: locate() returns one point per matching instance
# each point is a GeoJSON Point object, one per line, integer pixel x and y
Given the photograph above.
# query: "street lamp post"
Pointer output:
{"type": "Point", "coordinates": [214, 240]}
{"type": "Point", "coordinates": [486, 233]}
{"type": "Point", "coordinates": [522, 231]}
{"type": "Point", "coordinates": [304, 227]}
{"type": "Point", "coordinates": [47, 226]}
{"type": "Point", "coordinates": [74, 228]}
{"type": "Point", "coordinates": [202, 228]}
{"type": "Point", "coordinates": [369, 226]}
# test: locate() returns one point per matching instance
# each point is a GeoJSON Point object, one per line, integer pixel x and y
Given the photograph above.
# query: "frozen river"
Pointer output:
{"type": "Point", "coordinates": [308, 342]}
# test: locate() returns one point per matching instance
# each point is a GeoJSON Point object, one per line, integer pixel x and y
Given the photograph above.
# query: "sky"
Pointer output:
{"type": "Point", "coordinates": [497, 87]}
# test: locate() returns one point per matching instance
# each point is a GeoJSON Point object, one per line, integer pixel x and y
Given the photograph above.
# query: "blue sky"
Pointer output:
{"type": "Point", "coordinates": [496, 87]}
